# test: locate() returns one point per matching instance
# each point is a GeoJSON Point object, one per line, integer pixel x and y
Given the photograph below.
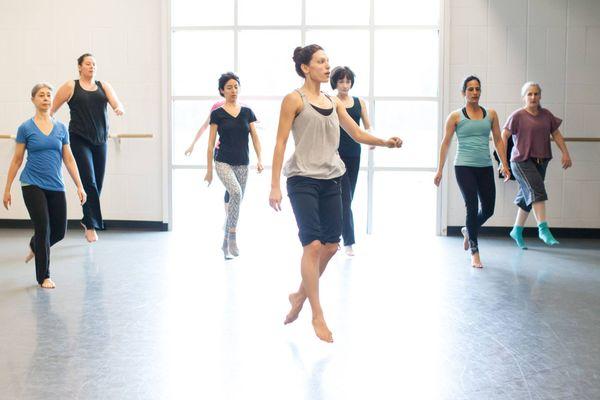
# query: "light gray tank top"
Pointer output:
{"type": "Point", "coordinates": [317, 138]}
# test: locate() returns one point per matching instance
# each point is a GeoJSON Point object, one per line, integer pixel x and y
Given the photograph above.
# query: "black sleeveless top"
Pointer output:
{"type": "Point", "coordinates": [348, 147]}
{"type": "Point", "coordinates": [89, 115]}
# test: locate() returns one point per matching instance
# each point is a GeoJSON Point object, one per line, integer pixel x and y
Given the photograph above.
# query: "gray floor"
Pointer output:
{"type": "Point", "coordinates": [162, 316]}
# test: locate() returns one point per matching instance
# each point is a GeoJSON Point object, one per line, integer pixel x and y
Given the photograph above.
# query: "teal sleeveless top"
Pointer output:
{"type": "Point", "coordinates": [473, 138]}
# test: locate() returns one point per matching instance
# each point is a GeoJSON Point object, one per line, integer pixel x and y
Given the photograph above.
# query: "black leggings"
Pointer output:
{"type": "Point", "coordinates": [91, 162]}
{"type": "Point", "coordinates": [348, 185]}
{"type": "Point", "coordinates": [474, 183]}
{"type": "Point", "coordinates": [48, 212]}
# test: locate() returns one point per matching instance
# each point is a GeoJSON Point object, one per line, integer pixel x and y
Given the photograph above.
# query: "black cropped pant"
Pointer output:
{"type": "Point", "coordinates": [48, 212]}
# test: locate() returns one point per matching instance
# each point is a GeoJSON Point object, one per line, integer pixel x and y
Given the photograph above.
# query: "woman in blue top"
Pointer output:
{"type": "Point", "coordinates": [342, 80]}
{"type": "Point", "coordinates": [47, 143]}
{"type": "Point", "coordinates": [473, 164]}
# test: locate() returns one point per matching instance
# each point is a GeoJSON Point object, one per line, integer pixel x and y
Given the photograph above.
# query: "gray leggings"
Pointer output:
{"type": "Point", "coordinates": [234, 179]}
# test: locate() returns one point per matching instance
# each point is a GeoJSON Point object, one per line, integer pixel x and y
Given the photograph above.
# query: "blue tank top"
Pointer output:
{"type": "Point", "coordinates": [473, 138]}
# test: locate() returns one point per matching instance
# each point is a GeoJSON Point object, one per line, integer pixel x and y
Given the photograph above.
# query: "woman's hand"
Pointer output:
{"type": "Point", "coordinates": [6, 200]}
{"type": "Point", "coordinates": [393, 142]}
{"type": "Point", "coordinates": [189, 150]}
{"type": "Point", "coordinates": [82, 195]}
{"type": "Point", "coordinates": [438, 178]}
{"type": "Point", "coordinates": [208, 177]}
{"type": "Point", "coordinates": [119, 111]}
{"type": "Point", "coordinates": [505, 172]}
{"type": "Point", "coordinates": [566, 161]}
{"type": "Point", "coordinates": [259, 167]}
{"type": "Point", "coordinates": [275, 199]}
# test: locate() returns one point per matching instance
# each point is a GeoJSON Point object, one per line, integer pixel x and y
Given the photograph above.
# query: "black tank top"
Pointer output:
{"type": "Point", "coordinates": [348, 147]}
{"type": "Point", "coordinates": [89, 116]}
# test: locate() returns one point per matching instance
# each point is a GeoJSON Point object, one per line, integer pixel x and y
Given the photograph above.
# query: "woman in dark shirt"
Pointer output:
{"type": "Point", "coordinates": [232, 122]}
{"type": "Point", "coordinates": [88, 128]}
{"type": "Point", "coordinates": [342, 80]}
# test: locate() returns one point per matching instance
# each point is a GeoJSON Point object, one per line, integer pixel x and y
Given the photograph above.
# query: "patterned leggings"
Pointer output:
{"type": "Point", "coordinates": [234, 179]}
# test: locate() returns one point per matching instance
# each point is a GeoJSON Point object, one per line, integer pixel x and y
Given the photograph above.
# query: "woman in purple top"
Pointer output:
{"type": "Point", "coordinates": [531, 128]}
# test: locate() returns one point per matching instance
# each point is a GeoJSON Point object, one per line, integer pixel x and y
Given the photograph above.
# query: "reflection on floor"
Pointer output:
{"type": "Point", "coordinates": [163, 316]}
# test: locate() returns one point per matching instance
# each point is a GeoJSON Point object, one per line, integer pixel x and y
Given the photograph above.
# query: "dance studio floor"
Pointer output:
{"type": "Point", "coordinates": [162, 316]}
{"type": "Point", "coordinates": [147, 315]}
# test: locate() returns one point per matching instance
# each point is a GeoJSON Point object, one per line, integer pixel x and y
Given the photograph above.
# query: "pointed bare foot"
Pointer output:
{"type": "Point", "coordinates": [465, 234]}
{"type": "Point", "coordinates": [29, 256]}
{"type": "Point", "coordinates": [297, 301]}
{"type": "Point", "coordinates": [91, 235]}
{"type": "Point", "coordinates": [322, 330]}
{"type": "Point", "coordinates": [48, 284]}
{"type": "Point", "coordinates": [476, 261]}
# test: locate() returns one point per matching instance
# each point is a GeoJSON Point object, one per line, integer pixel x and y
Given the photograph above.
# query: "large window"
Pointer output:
{"type": "Point", "coordinates": [393, 47]}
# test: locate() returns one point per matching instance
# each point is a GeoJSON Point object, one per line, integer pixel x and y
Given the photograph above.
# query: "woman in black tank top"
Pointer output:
{"type": "Point", "coordinates": [88, 129]}
{"type": "Point", "coordinates": [342, 80]}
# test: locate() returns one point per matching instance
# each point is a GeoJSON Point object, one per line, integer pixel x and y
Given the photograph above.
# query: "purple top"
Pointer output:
{"type": "Point", "coordinates": [531, 134]}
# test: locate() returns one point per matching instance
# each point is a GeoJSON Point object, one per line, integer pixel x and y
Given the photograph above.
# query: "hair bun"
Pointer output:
{"type": "Point", "coordinates": [297, 52]}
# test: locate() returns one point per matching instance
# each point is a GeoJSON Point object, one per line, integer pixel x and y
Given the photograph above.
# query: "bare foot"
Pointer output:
{"type": "Point", "coordinates": [297, 301]}
{"type": "Point", "coordinates": [349, 251]}
{"type": "Point", "coordinates": [322, 330]}
{"type": "Point", "coordinates": [475, 261]}
{"type": "Point", "coordinates": [465, 234]}
{"type": "Point", "coordinates": [29, 256]}
{"type": "Point", "coordinates": [91, 235]}
{"type": "Point", "coordinates": [48, 284]}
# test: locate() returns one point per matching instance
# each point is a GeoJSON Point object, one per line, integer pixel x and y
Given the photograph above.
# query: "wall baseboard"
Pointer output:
{"type": "Point", "coordinates": [579, 233]}
{"type": "Point", "coordinates": [157, 226]}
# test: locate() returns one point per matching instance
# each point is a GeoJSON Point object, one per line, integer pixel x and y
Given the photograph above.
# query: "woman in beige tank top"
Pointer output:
{"type": "Point", "coordinates": [314, 172]}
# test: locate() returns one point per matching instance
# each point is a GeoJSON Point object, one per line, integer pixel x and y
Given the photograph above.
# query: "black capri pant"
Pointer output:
{"type": "Point", "coordinates": [48, 212]}
{"type": "Point", "coordinates": [317, 206]}
{"type": "Point", "coordinates": [477, 186]}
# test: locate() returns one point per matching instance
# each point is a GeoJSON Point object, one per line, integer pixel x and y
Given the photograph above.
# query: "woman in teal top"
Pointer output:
{"type": "Point", "coordinates": [473, 164]}
{"type": "Point", "coordinates": [47, 143]}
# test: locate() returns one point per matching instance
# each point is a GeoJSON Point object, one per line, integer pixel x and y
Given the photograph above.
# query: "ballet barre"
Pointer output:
{"type": "Point", "coordinates": [111, 136]}
{"type": "Point", "coordinates": [575, 139]}
{"type": "Point", "coordinates": [130, 135]}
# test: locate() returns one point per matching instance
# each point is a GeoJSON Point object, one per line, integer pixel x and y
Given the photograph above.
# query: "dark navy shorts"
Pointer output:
{"type": "Point", "coordinates": [530, 174]}
{"type": "Point", "coordinates": [317, 205]}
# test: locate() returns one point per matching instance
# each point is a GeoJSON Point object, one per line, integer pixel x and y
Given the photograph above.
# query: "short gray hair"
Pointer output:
{"type": "Point", "coordinates": [527, 85]}
{"type": "Point", "coordinates": [39, 86]}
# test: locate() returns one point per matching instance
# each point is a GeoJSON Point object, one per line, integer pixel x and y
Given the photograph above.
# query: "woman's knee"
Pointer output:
{"type": "Point", "coordinates": [331, 248]}
{"type": "Point", "coordinates": [313, 248]}
{"type": "Point", "coordinates": [235, 194]}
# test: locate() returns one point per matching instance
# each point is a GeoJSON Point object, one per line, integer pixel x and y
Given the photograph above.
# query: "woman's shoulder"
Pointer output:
{"type": "Point", "coordinates": [547, 112]}
{"type": "Point", "coordinates": [517, 113]}
{"type": "Point", "coordinates": [455, 115]}
{"type": "Point", "coordinates": [27, 124]}
{"type": "Point", "coordinates": [60, 124]}
{"type": "Point", "coordinates": [292, 101]}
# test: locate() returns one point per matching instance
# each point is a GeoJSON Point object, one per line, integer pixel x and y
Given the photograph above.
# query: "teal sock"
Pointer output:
{"type": "Point", "coordinates": [517, 234]}
{"type": "Point", "coordinates": [545, 234]}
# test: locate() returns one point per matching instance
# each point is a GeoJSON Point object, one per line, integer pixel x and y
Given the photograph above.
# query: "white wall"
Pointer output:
{"type": "Point", "coordinates": [555, 42]}
{"type": "Point", "coordinates": [40, 40]}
